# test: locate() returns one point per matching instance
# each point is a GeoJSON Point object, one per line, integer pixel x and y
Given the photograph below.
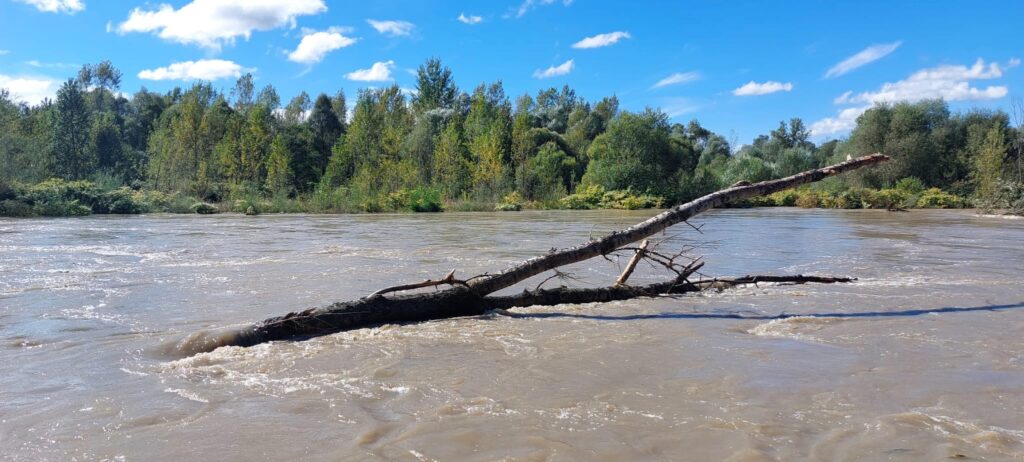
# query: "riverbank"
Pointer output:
{"type": "Point", "coordinates": [55, 197]}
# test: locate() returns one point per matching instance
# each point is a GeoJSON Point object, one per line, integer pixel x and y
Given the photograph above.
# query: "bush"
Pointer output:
{"type": "Point", "coordinates": [203, 208]}
{"type": "Point", "coordinates": [585, 198]}
{"type": "Point", "coordinates": [889, 198]}
{"type": "Point", "coordinates": [935, 198]}
{"type": "Point", "coordinates": [808, 199]}
{"type": "Point", "coordinates": [15, 208]}
{"type": "Point", "coordinates": [421, 200]}
{"type": "Point", "coordinates": [785, 198]}
{"type": "Point", "coordinates": [910, 185]}
{"type": "Point", "coordinates": [62, 209]}
{"type": "Point", "coordinates": [854, 198]}
{"type": "Point", "coordinates": [512, 202]}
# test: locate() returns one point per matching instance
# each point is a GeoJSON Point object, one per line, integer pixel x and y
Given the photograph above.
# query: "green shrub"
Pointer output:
{"type": "Point", "coordinates": [935, 198]}
{"type": "Point", "coordinates": [808, 199]}
{"type": "Point", "coordinates": [854, 198]}
{"type": "Point", "coordinates": [61, 208]}
{"type": "Point", "coordinates": [886, 198]}
{"type": "Point", "coordinates": [15, 208]}
{"type": "Point", "coordinates": [910, 185]}
{"type": "Point", "coordinates": [512, 202]}
{"type": "Point", "coordinates": [586, 198]}
{"type": "Point", "coordinates": [203, 208]}
{"type": "Point", "coordinates": [785, 198]}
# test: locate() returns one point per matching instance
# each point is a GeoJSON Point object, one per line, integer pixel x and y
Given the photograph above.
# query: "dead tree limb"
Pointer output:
{"type": "Point", "coordinates": [472, 297]}
{"type": "Point", "coordinates": [639, 255]}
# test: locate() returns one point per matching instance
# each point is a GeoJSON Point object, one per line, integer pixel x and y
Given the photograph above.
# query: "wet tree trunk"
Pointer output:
{"type": "Point", "coordinates": [472, 297]}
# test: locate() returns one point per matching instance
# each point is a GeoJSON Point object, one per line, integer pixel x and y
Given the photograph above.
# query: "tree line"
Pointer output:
{"type": "Point", "coordinates": [441, 146]}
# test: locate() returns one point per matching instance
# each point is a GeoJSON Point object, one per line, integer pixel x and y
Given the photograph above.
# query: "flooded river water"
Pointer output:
{"type": "Point", "coordinates": [921, 359]}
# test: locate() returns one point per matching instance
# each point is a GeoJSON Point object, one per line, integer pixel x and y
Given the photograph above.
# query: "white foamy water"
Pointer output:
{"type": "Point", "coordinates": [921, 359]}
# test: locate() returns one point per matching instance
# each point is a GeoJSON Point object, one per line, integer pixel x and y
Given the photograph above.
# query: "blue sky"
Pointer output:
{"type": "Point", "coordinates": [738, 66]}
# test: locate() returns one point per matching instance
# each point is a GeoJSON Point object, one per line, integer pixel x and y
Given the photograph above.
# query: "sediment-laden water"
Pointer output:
{"type": "Point", "coordinates": [921, 359]}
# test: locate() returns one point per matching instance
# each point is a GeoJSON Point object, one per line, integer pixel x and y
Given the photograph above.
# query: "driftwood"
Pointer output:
{"type": "Point", "coordinates": [473, 296]}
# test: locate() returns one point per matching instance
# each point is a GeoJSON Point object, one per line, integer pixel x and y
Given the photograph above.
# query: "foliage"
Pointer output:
{"type": "Point", "coordinates": [595, 197]}
{"type": "Point", "coordinates": [481, 150]}
{"type": "Point", "coordinates": [203, 208]}
{"type": "Point", "coordinates": [512, 202]}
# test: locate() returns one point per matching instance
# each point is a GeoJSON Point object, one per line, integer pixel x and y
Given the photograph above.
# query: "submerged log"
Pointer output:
{"type": "Point", "coordinates": [472, 296]}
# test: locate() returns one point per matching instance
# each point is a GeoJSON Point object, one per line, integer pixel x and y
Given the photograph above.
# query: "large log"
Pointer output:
{"type": "Point", "coordinates": [472, 297]}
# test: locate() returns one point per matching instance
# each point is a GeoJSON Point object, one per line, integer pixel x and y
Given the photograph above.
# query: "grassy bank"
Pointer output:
{"type": "Point", "coordinates": [56, 197]}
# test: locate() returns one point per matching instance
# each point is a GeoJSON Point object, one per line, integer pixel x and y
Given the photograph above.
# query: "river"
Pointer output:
{"type": "Point", "coordinates": [921, 359]}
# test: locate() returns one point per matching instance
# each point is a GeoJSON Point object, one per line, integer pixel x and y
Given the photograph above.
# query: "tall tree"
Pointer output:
{"type": "Point", "coordinates": [296, 110]}
{"type": "Point", "coordinates": [244, 93]}
{"type": "Point", "coordinates": [72, 156]}
{"type": "Point", "coordinates": [279, 174]}
{"type": "Point", "coordinates": [435, 87]}
{"type": "Point", "coordinates": [325, 129]}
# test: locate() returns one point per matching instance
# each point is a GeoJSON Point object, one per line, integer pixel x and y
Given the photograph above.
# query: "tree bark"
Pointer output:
{"type": "Point", "coordinates": [471, 297]}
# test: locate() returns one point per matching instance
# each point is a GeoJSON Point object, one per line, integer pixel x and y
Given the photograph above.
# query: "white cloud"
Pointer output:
{"type": "Point", "coordinates": [37, 63]}
{"type": "Point", "coordinates": [866, 56]}
{"type": "Point", "coordinates": [1014, 62]}
{"type": "Point", "coordinates": [392, 28]}
{"type": "Point", "coordinates": [30, 90]}
{"type": "Point", "coordinates": [753, 88]}
{"type": "Point", "coordinates": [844, 122]}
{"type": "Point", "coordinates": [379, 72]}
{"type": "Point", "coordinates": [212, 23]}
{"type": "Point", "coordinates": [471, 19]}
{"type": "Point", "coordinates": [676, 107]}
{"type": "Point", "coordinates": [56, 6]}
{"type": "Point", "coordinates": [528, 5]}
{"type": "Point", "coordinates": [678, 78]}
{"type": "Point", "coordinates": [602, 40]}
{"type": "Point", "coordinates": [5, 52]}
{"type": "Point", "coordinates": [555, 71]}
{"type": "Point", "coordinates": [948, 82]}
{"type": "Point", "coordinates": [951, 83]}
{"type": "Point", "coordinates": [315, 45]}
{"type": "Point", "coordinates": [204, 69]}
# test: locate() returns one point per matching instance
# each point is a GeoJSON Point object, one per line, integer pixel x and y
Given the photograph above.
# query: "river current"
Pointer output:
{"type": "Point", "coordinates": [921, 359]}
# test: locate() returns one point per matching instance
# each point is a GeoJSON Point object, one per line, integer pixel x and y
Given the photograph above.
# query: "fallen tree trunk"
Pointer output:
{"type": "Point", "coordinates": [472, 296]}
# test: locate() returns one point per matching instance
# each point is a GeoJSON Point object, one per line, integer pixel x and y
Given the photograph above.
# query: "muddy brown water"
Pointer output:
{"type": "Point", "coordinates": [921, 359]}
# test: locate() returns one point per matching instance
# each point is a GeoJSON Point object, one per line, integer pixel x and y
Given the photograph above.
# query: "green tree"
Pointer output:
{"type": "Point", "coordinates": [435, 87]}
{"type": "Point", "coordinates": [451, 161]}
{"type": "Point", "coordinates": [635, 153]}
{"type": "Point", "coordinates": [296, 110]}
{"type": "Point", "coordinates": [73, 157]}
{"type": "Point", "coordinates": [325, 129]}
{"type": "Point", "coordinates": [279, 174]}
{"type": "Point", "coordinates": [990, 161]}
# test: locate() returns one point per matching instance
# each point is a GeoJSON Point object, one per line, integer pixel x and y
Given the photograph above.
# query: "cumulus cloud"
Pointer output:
{"type": "Point", "coordinates": [56, 6]}
{"type": "Point", "coordinates": [212, 23]}
{"type": "Point", "coordinates": [528, 5]}
{"type": "Point", "coordinates": [948, 82]}
{"type": "Point", "coordinates": [204, 69]}
{"type": "Point", "coordinates": [471, 19]}
{"type": "Point", "coordinates": [753, 88]}
{"type": "Point", "coordinates": [555, 71]}
{"type": "Point", "coordinates": [315, 45]}
{"type": "Point", "coordinates": [864, 57]}
{"type": "Point", "coordinates": [602, 40]}
{"type": "Point", "coordinates": [30, 90]}
{"type": "Point", "coordinates": [379, 72]}
{"type": "Point", "coordinates": [392, 28]}
{"type": "Point", "coordinates": [678, 78]}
